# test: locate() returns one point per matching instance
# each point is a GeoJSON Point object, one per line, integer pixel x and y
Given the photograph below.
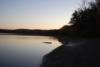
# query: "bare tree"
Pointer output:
{"type": "Point", "coordinates": [98, 2]}
{"type": "Point", "coordinates": [84, 4]}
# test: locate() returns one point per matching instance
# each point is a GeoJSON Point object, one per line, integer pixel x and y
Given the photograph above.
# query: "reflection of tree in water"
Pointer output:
{"type": "Point", "coordinates": [83, 53]}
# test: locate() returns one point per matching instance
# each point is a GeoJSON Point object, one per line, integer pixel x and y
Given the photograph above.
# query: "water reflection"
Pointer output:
{"type": "Point", "coordinates": [24, 51]}
{"type": "Point", "coordinates": [74, 52]}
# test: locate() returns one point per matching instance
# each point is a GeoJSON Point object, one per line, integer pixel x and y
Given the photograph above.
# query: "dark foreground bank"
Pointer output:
{"type": "Point", "coordinates": [74, 53]}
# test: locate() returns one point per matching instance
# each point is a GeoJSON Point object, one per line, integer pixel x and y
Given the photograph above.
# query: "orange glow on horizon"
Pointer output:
{"type": "Point", "coordinates": [33, 26]}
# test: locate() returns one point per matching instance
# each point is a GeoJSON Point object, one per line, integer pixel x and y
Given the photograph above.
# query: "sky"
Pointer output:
{"type": "Point", "coordinates": [36, 14]}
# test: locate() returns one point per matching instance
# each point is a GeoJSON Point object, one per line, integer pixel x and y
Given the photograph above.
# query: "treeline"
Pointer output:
{"type": "Point", "coordinates": [30, 32]}
{"type": "Point", "coordinates": [85, 21]}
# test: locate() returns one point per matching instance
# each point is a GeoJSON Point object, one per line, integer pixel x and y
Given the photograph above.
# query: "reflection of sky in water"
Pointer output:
{"type": "Point", "coordinates": [24, 51]}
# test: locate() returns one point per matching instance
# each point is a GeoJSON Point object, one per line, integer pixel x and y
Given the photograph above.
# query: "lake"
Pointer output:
{"type": "Point", "coordinates": [25, 51]}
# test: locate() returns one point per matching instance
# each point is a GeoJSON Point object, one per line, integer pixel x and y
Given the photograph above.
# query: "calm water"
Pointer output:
{"type": "Point", "coordinates": [24, 51]}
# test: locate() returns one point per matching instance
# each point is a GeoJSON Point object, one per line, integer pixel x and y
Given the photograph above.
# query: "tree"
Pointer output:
{"type": "Point", "coordinates": [85, 19]}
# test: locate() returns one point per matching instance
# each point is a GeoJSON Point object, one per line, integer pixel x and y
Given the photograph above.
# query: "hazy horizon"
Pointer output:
{"type": "Point", "coordinates": [36, 14]}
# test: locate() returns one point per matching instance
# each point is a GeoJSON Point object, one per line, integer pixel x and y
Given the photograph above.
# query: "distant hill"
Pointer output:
{"type": "Point", "coordinates": [30, 32]}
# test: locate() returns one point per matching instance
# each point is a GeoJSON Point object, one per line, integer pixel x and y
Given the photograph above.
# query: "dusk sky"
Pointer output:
{"type": "Point", "coordinates": [36, 14]}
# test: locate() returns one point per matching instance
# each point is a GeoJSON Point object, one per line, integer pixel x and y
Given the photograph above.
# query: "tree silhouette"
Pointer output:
{"type": "Point", "coordinates": [85, 20]}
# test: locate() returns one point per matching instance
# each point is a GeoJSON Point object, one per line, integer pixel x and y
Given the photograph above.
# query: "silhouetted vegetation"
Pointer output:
{"type": "Point", "coordinates": [78, 52]}
{"type": "Point", "coordinates": [30, 32]}
{"type": "Point", "coordinates": [74, 52]}
{"type": "Point", "coordinates": [84, 22]}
